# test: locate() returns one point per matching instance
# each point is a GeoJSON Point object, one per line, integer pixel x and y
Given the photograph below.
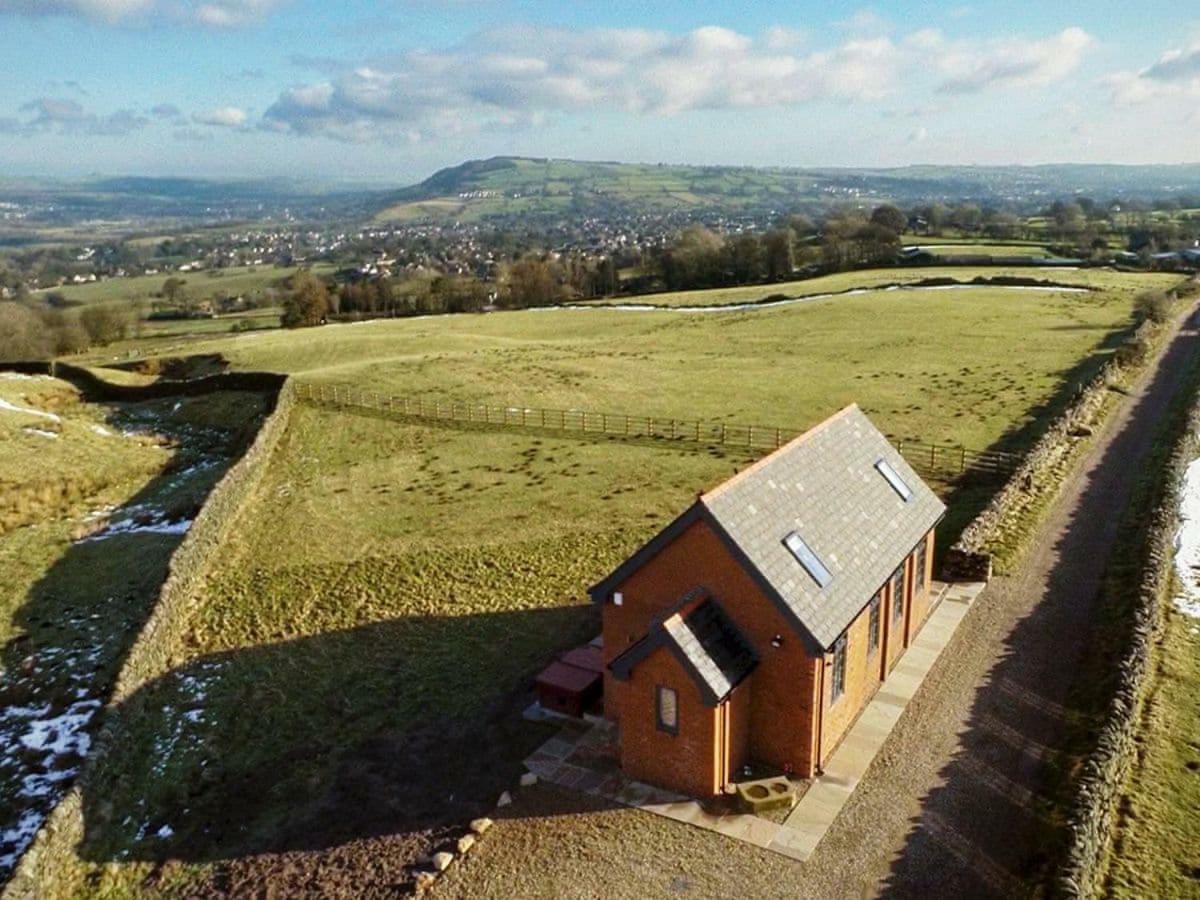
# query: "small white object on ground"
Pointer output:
{"type": "Point", "coordinates": [528, 779]}
{"type": "Point", "coordinates": [505, 799]}
{"type": "Point", "coordinates": [479, 826]}
{"type": "Point", "coordinates": [12, 407]}
{"type": "Point", "coordinates": [441, 861]}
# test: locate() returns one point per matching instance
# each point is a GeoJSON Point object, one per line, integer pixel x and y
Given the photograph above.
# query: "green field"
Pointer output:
{"type": "Point", "coordinates": [393, 582]}
{"type": "Point", "coordinates": [234, 281]}
{"type": "Point", "coordinates": [939, 364]}
{"type": "Point", "coordinates": [860, 279]}
{"type": "Point", "coordinates": [1159, 850]}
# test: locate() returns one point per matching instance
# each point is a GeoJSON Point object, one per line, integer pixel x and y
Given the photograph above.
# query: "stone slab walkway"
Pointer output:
{"type": "Point", "coordinates": [583, 756]}
{"type": "Point", "coordinates": [810, 819]}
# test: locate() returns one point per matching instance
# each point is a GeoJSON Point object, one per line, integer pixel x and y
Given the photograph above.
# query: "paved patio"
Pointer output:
{"type": "Point", "coordinates": [584, 755]}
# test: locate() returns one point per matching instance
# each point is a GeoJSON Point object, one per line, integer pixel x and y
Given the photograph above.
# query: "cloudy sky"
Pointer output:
{"type": "Point", "coordinates": [389, 90]}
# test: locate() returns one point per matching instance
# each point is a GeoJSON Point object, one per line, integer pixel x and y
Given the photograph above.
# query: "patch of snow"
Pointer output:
{"type": "Point", "coordinates": [102, 431]}
{"type": "Point", "coordinates": [14, 841]}
{"type": "Point", "coordinates": [41, 432]}
{"type": "Point", "coordinates": [165, 832]}
{"type": "Point", "coordinates": [20, 376]}
{"type": "Point", "coordinates": [809, 298]}
{"type": "Point", "coordinates": [1187, 543]}
{"type": "Point", "coordinates": [12, 407]}
{"type": "Point", "coordinates": [132, 526]}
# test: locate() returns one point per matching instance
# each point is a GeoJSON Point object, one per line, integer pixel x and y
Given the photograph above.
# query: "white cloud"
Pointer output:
{"type": "Point", "coordinates": [222, 117]}
{"type": "Point", "coordinates": [968, 67]}
{"type": "Point", "coordinates": [213, 13]}
{"type": "Point", "coordinates": [508, 76]}
{"type": "Point", "coordinates": [1175, 74]}
{"type": "Point", "coordinates": [62, 115]}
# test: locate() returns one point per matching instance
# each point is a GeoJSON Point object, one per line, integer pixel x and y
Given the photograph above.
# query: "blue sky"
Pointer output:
{"type": "Point", "coordinates": [393, 89]}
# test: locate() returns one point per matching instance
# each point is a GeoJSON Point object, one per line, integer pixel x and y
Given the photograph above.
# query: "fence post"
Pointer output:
{"type": "Point", "coordinates": [604, 422]}
{"type": "Point", "coordinates": [626, 426]}
{"type": "Point", "coordinates": [722, 432]}
{"type": "Point", "coordinates": [750, 436]}
{"type": "Point", "coordinates": [962, 460]}
{"type": "Point", "coordinates": [778, 439]}
{"type": "Point", "coordinates": [932, 456]}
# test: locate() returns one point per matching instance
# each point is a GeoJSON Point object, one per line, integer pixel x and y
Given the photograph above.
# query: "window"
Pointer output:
{"type": "Point", "coordinates": [668, 710]}
{"type": "Point", "coordinates": [898, 594]}
{"type": "Point", "coordinates": [809, 560]}
{"type": "Point", "coordinates": [893, 478]}
{"type": "Point", "coordinates": [873, 623]}
{"type": "Point", "coordinates": [920, 579]}
{"type": "Point", "coordinates": [838, 686]}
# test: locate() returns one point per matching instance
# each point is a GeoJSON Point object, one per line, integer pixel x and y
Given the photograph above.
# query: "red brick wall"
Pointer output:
{"type": "Point", "coordinates": [685, 762]}
{"type": "Point", "coordinates": [863, 677]}
{"type": "Point", "coordinates": [922, 596]}
{"type": "Point", "coordinates": [783, 700]}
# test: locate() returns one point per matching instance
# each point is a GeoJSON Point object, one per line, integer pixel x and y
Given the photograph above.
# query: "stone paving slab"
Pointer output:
{"type": "Point", "coordinates": [807, 824]}
{"type": "Point", "coordinates": [571, 759]}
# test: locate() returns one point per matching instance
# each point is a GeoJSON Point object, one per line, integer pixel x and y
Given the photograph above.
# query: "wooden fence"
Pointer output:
{"type": "Point", "coordinates": [930, 459]}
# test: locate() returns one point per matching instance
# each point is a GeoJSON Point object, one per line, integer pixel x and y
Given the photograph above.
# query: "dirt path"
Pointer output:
{"type": "Point", "coordinates": [950, 807]}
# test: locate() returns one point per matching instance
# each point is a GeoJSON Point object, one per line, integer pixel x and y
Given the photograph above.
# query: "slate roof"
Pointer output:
{"type": "Point", "coordinates": [706, 642]}
{"type": "Point", "coordinates": [825, 487]}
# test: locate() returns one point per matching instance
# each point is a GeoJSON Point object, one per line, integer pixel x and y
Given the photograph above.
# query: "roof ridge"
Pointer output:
{"type": "Point", "coordinates": [779, 451]}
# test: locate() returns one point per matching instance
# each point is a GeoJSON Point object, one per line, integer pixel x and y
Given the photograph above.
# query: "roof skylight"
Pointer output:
{"type": "Point", "coordinates": [809, 560]}
{"type": "Point", "coordinates": [894, 479]}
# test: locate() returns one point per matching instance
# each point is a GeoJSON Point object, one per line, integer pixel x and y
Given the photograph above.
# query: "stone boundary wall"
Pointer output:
{"type": "Point", "coordinates": [1039, 476]}
{"type": "Point", "coordinates": [1104, 773]}
{"type": "Point", "coordinates": [153, 652]}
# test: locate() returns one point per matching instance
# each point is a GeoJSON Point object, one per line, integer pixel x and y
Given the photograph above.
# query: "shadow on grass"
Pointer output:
{"type": "Point", "coordinates": [77, 623]}
{"type": "Point", "coordinates": [404, 730]}
{"type": "Point", "coordinates": [994, 825]}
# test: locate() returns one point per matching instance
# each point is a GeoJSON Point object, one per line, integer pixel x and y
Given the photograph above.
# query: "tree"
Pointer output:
{"type": "Point", "coordinates": [779, 247]}
{"type": "Point", "coordinates": [172, 289]}
{"type": "Point", "coordinates": [307, 303]}
{"type": "Point", "coordinates": [104, 323]}
{"type": "Point", "coordinates": [23, 335]}
{"type": "Point", "coordinates": [532, 282]}
{"type": "Point", "coordinates": [747, 261]}
{"type": "Point", "coordinates": [891, 218]}
{"type": "Point", "coordinates": [66, 332]}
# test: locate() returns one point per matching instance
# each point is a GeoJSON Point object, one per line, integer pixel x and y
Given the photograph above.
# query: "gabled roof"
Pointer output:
{"type": "Point", "coordinates": [826, 488]}
{"type": "Point", "coordinates": [704, 640]}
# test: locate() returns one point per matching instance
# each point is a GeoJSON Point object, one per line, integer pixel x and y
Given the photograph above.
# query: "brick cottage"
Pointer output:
{"type": "Point", "coordinates": [757, 625]}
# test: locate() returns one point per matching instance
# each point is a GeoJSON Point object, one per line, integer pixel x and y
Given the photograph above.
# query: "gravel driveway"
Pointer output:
{"type": "Point", "coordinates": [951, 805]}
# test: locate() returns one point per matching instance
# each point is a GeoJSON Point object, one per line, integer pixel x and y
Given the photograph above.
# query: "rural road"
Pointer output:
{"type": "Point", "coordinates": [951, 806]}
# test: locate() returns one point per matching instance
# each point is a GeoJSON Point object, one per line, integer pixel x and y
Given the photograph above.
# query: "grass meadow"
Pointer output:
{"type": "Point", "coordinates": [392, 584]}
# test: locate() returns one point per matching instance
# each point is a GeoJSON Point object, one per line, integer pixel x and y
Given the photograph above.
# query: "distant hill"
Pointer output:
{"type": "Point", "coordinates": [543, 188]}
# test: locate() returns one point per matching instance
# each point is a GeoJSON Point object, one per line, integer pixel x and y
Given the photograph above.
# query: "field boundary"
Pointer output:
{"type": "Point", "coordinates": [1106, 769]}
{"type": "Point", "coordinates": [1000, 531]}
{"type": "Point", "coordinates": [938, 460]}
{"type": "Point", "coordinates": [152, 652]}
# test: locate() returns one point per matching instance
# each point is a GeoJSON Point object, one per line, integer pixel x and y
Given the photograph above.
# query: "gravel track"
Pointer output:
{"type": "Point", "coordinates": [953, 805]}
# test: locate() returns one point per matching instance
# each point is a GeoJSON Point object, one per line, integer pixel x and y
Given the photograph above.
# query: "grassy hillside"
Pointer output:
{"type": "Point", "coordinates": [507, 186]}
